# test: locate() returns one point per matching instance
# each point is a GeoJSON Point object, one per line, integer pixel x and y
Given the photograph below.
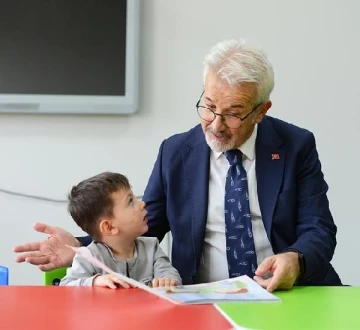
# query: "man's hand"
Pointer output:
{"type": "Point", "coordinates": [110, 281]}
{"type": "Point", "coordinates": [50, 253]}
{"type": "Point", "coordinates": [285, 269]}
{"type": "Point", "coordinates": [164, 282]}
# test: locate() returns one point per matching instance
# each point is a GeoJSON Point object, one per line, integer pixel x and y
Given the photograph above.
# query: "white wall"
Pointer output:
{"type": "Point", "coordinates": [314, 47]}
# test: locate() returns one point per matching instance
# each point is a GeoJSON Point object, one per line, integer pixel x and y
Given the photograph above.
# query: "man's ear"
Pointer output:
{"type": "Point", "coordinates": [106, 227]}
{"type": "Point", "coordinates": [261, 112]}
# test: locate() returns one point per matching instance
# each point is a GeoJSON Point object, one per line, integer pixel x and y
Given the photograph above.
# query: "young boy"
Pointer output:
{"type": "Point", "coordinates": [105, 207]}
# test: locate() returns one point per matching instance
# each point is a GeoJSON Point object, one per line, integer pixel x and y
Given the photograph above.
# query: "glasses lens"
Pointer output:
{"type": "Point", "coordinates": [206, 113]}
{"type": "Point", "coordinates": [232, 122]}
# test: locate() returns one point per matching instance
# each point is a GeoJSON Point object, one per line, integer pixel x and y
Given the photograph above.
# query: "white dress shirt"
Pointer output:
{"type": "Point", "coordinates": [213, 263]}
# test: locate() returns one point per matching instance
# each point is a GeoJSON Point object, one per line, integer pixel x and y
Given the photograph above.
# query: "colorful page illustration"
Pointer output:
{"type": "Point", "coordinates": [238, 289]}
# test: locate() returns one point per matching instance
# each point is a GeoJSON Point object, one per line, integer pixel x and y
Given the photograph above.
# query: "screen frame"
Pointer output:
{"type": "Point", "coordinates": [89, 104]}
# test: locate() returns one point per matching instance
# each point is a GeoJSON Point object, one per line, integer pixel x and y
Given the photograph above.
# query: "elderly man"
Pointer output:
{"type": "Point", "coordinates": [242, 193]}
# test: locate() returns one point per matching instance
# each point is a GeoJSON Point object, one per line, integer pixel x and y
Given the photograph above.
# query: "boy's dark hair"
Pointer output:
{"type": "Point", "coordinates": [91, 200]}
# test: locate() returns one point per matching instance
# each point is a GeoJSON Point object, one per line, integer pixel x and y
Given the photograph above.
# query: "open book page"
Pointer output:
{"type": "Point", "coordinates": [238, 289]}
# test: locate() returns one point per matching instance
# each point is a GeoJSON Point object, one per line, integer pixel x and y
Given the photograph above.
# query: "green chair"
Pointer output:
{"type": "Point", "coordinates": [53, 277]}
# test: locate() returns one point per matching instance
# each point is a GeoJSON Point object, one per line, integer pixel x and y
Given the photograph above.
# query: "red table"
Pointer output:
{"type": "Point", "coordinates": [67, 308]}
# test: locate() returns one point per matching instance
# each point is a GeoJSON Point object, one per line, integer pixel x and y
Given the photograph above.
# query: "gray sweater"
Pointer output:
{"type": "Point", "coordinates": [149, 262]}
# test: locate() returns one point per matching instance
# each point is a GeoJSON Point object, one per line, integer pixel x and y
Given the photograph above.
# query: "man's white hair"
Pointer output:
{"type": "Point", "coordinates": [237, 62]}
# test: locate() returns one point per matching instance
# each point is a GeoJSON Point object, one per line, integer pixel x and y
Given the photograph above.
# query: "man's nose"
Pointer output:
{"type": "Point", "coordinates": [217, 124]}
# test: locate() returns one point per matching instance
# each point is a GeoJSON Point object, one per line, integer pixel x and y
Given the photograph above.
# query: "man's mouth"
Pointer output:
{"type": "Point", "coordinates": [219, 137]}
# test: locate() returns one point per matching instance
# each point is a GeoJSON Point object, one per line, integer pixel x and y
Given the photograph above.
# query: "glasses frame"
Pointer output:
{"type": "Point", "coordinates": [223, 116]}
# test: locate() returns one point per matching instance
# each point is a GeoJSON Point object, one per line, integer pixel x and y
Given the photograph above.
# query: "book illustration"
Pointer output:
{"type": "Point", "coordinates": [238, 289]}
{"type": "Point", "coordinates": [235, 287]}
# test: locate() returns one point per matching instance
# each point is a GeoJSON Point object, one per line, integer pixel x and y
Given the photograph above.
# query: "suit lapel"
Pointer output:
{"type": "Point", "coordinates": [196, 160]}
{"type": "Point", "coordinates": [270, 160]}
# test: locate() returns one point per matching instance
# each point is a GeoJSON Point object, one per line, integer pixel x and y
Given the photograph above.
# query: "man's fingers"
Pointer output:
{"type": "Point", "coordinates": [44, 228]}
{"type": "Point", "coordinates": [33, 246]}
{"type": "Point", "coordinates": [24, 256]}
{"type": "Point", "coordinates": [265, 266]}
{"type": "Point", "coordinates": [274, 281]}
{"type": "Point", "coordinates": [155, 282]}
{"type": "Point", "coordinates": [20, 259]}
{"type": "Point", "coordinates": [47, 267]}
{"type": "Point", "coordinates": [37, 260]}
{"type": "Point", "coordinates": [262, 282]}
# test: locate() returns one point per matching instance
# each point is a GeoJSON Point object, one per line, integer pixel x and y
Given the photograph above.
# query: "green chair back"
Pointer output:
{"type": "Point", "coordinates": [53, 277]}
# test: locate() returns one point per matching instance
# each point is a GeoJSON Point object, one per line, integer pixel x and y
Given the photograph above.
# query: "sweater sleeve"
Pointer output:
{"type": "Point", "coordinates": [162, 265]}
{"type": "Point", "coordinates": [81, 273]}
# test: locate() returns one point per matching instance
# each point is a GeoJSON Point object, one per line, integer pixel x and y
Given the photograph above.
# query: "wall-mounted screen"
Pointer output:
{"type": "Point", "coordinates": [69, 56]}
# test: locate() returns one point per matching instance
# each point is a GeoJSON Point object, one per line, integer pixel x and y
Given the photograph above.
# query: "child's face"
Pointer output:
{"type": "Point", "coordinates": [129, 214]}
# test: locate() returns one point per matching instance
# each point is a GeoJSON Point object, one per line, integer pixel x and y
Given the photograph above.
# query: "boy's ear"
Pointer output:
{"type": "Point", "coordinates": [106, 227]}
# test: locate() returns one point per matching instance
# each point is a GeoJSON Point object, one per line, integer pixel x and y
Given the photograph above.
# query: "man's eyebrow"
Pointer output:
{"type": "Point", "coordinates": [235, 105]}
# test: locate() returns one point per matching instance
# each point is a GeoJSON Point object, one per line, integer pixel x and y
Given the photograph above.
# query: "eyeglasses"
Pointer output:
{"type": "Point", "coordinates": [229, 120]}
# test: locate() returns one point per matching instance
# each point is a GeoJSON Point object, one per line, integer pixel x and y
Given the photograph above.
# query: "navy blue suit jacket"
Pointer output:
{"type": "Point", "coordinates": [291, 193]}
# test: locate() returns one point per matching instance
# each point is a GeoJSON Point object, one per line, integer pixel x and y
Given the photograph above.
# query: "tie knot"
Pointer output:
{"type": "Point", "coordinates": [233, 156]}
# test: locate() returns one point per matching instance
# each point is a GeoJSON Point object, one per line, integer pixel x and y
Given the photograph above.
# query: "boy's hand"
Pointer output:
{"type": "Point", "coordinates": [110, 281]}
{"type": "Point", "coordinates": [164, 281]}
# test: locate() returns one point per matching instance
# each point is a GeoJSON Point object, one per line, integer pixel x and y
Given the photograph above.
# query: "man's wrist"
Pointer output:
{"type": "Point", "coordinates": [301, 261]}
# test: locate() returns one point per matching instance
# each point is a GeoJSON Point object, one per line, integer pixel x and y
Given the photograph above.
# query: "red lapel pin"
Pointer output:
{"type": "Point", "coordinates": [275, 156]}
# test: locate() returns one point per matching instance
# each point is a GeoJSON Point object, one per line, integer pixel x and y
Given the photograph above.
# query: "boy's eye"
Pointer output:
{"type": "Point", "coordinates": [131, 201]}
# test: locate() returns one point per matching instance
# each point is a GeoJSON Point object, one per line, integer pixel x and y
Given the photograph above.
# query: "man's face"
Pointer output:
{"type": "Point", "coordinates": [239, 101]}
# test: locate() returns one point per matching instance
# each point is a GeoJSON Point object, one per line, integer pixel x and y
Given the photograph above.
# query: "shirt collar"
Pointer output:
{"type": "Point", "coordinates": [247, 148]}
{"type": "Point", "coordinates": [112, 254]}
